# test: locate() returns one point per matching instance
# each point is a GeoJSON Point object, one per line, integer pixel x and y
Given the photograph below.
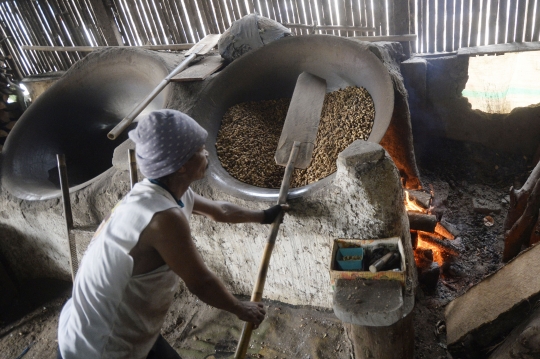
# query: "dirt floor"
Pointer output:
{"type": "Point", "coordinates": [456, 172]}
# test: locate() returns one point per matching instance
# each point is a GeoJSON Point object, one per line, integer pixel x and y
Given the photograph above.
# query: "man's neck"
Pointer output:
{"type": "Point", "coordinates": [177, 185]}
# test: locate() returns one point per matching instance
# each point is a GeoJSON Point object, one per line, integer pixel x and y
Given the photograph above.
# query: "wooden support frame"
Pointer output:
{"type": "Point", "coordinates": [105, 19]}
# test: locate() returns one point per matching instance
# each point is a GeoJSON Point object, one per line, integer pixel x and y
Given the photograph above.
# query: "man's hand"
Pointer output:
{"type": "Point", "coordinates": [271, 213]}
{"type": "Point", "coordinates": [252, 312]}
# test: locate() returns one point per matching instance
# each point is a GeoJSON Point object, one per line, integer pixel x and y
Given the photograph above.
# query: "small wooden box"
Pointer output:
{"type": "Point", "coordinates": [367, 245]}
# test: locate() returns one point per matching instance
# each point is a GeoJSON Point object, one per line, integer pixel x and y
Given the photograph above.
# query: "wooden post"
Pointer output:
{"type": "Point", "coordinates": [440, 25]}
{"type": "Point", "coordinates": [133, 178]}
{"type": "Point", "coordinates": [521, 15]}
{"type": "Point", "coordinates": [392, 342]}
{"type": "Point", "coordinates": [449, 26]}
{"type": "Point", "coordinates": [400, 20]}
{"type": "Point", "coordinates": [64, 185]}
{"type": "Point", "coordinates": [511, 21]}
{"type": "Point", "coordinates": [501, 36]}
{"type": "Point", "coordinates": [466, 21]}
{"type": "Point", "coordinates": [458, 17]}
{"type": "Point", "coordinates": [105, 21]}
{"type": "Point", "coordinates": [492, 22]}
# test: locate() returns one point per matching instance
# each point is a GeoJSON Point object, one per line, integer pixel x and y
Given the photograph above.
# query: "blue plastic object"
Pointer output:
{"type": "Point", "coordinates": [350, 265]}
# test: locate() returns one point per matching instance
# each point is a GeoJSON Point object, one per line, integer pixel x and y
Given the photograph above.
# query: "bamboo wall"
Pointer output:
{"type": "Point", "coordinates": [441, 25]}
{"type": "Point", "coordinates": [447, 25]}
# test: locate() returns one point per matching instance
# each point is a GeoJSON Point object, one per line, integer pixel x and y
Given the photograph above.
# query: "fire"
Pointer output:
{"type": "Point", "coordinates": [437, 255]}
{"type": "Point", "coordinates": [410, 205]}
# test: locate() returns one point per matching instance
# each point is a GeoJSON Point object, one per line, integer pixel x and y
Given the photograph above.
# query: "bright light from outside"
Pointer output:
{"type": "Point", "coordinates": [25, 90]}
{"type": "Point", "coordinates": [498, 84]}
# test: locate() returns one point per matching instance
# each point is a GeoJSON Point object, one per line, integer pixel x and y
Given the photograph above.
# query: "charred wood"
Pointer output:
{"type": "Point", "coordinates": [422, 222]}
{"type": "Point", "coordinates": [443, 231]}
{"type": "Point", "coordinates": [442, 244]}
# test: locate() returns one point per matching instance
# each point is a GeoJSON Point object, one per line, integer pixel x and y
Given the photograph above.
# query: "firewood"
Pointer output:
{"type": "Point", "coordinates": [441, 230]}
{"type": "Point", "coordinates": [422, 222]}
{"type": "Point", "coordinates": [520, 232]}
{"type": "Point", "coordinates": [442, 244]}
{"type": "Point", "coordinates": [518, 198]}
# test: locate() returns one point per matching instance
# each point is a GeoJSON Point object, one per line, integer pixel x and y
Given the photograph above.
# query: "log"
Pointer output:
{"type": "Point", "coordinates": [440, 229]}
{"type": "Point", "coordinates": [442, 244]}
{"type": "Point", "coordinates": [172, 47]}
{"type": "Point", "coordinates": [423, 258]}
{"type": "Point", "coordinates": [520, 232]}
{"type": "Point", "coordinates": [392, 342]}
{"type": "Point", "coordinates": [422, 222]}
{"type": "Point", "coordinates": [518, 198]}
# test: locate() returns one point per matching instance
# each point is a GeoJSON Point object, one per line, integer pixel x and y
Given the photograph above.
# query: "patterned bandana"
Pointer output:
{"type": "Point", "coordinates": [165, 140]}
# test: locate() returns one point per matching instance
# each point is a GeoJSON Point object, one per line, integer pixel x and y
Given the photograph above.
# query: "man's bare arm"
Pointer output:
{"type": "Point", "coordinates": [221, 211]}
{"type": "Point", "coordinates": [169, 234]}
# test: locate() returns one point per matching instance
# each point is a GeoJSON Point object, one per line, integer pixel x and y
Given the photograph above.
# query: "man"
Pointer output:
{"type": "Point", "coordinates": [129, 274]}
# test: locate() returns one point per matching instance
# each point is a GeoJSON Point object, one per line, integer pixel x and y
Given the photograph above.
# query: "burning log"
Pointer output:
{"type": "Point", "coordinates": [422, 222]}
{"type": "Point", "coordinates": [440, 229]}
{"type": "Point", "coordinates": [423, 257]}
{"type": "Point", "coordinates": [442, 244]}
{"type": "Point", "coordinates": [527, 205]}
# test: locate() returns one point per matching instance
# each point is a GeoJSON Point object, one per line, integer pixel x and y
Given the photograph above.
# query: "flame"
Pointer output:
{"type": "Point", "coordinates": [437, 255]}
{"type": "Point", "coordinates": [410, 205]}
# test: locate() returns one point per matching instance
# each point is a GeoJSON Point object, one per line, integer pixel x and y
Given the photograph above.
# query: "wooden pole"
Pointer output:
{"type": "Point", "coordinates": [512, 21]}
{"type": "Point", "coordinates": [475, 13]}
{"type": "Point", "coordinates": [503, 8]}
{"type": "Point", "coordinates": [439, 25]}
{"type": "Point", "coordinates": [482, 27]}
{"type": "Point", "coordinates": [400, 20]}
{"type": "Point", "coordinates": [133, 178]}
{"type": "Point", "coordinates": [450, 31]}
{"type": "Point", "coordinates": [356, 16]}
{"type": "Point", "coordinates": [172, 47]}
{"type": "Point", "coordinates": [64, 186]}
{"type": "Point", "coordinates": [105, 21]}
{"type": "Point", "coordinates": [256, 295]}
{"type": "Point", "coordinates": [457, 24]}
{"type": "Point", "coordinates": [492, 21]}
{"type": "Point", "coordinates": [521, 16]}
{"type": "Point", "coordinates": [530, 18]}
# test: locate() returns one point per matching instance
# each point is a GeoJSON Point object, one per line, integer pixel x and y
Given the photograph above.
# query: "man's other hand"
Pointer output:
{"type": "Point", "coordinates": [252, 312]}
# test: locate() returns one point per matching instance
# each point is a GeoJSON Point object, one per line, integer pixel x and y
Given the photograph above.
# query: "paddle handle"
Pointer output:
{"type": "Point", "coordinates": [256, 295]}
{"type": "Point", "coordinates": [126, 121]}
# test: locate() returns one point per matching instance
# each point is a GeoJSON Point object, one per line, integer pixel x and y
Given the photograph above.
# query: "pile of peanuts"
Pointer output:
{"type": "Point", "coordinates": [250, 131]}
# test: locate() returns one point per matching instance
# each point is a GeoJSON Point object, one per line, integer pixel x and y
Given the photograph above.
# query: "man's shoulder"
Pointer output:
{"type": "Point", "coordinates": [170, 222]}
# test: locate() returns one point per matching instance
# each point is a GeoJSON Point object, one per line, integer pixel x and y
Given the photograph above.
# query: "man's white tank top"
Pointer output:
{"type": "Point", "coordinates": [113, 314]}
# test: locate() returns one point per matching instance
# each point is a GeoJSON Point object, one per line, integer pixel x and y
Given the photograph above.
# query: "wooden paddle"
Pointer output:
{"type": "Point", "coordinates": [200, 48]}
{"type": "Point", "coordinates": [295, 148]}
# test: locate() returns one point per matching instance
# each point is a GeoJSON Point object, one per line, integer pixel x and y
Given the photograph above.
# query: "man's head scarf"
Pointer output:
{"type": "Point", "coordinates": [165, 140]}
